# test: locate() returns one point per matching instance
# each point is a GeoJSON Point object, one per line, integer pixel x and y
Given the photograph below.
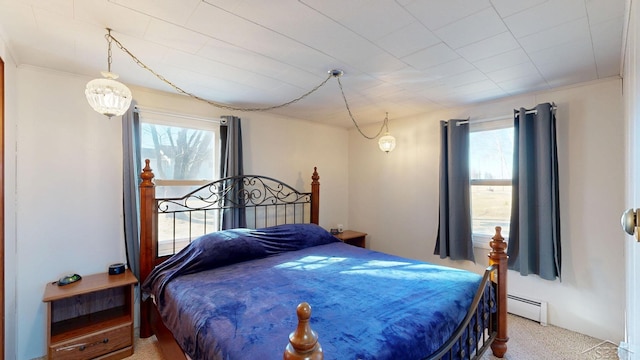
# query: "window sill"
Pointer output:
{"type": "Point", "coordinates": [481, 245]}
{"type": "Point", "coordinates": [482, 241]}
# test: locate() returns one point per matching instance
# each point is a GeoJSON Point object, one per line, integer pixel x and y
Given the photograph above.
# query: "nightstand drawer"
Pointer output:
{"type": "Point", "coordinates": [93, 345]}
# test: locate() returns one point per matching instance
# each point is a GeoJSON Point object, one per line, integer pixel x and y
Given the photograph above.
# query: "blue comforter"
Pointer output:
{"type": "Point", "coordinates": [235, 292]}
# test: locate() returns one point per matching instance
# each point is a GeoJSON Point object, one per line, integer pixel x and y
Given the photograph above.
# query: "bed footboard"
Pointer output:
{"type": "Point", "coordinates": [474, 328]}
{"type": "Point", "coordinates": [478, 326]}
{"type": "Point", "coordinates": [479, 330]}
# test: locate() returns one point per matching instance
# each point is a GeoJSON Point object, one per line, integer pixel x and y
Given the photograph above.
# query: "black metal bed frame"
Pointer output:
{"type": "Point", "coordinates": [262, 201]}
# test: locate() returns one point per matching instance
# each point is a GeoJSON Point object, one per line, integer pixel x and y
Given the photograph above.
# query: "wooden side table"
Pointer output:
{"type": "Point", "coordinates": [91, 318]}
{"type": "Point", "coordinates": [354, 238]}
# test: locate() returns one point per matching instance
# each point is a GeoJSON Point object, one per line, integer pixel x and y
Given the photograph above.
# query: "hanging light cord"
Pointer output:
{"type": "Point", "coordinates": [108, 37]}
{"type": "Point", "coordinates": [182, 91]}
{"type": "Point", "coordinates": [332, 73]}
{"type": "Point", "coordinates": [384, 123]}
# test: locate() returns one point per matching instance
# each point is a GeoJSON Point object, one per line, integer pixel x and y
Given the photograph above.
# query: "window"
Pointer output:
{"type": "Point", "coordinates": [490, 161]}
{"type": "Point", "coordinates": [182, 151]}
{"type": "Point", "coordinates": [183, 158]}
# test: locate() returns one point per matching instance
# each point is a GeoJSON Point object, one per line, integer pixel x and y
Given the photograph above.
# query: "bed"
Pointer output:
{"type": "Point", "coordinates": [283, 287]}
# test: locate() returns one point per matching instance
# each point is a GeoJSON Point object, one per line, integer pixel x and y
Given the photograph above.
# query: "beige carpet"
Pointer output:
{"type": "Point", "coordinates": [527, 341]}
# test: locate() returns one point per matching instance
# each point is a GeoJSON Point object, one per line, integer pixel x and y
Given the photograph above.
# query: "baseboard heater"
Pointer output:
{"type": "Point", "coordinates": [535, 310]}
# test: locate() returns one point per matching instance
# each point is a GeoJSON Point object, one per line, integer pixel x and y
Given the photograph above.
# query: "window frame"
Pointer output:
{"type": "Point", "coordinates": [158, 117]}
{"type": "Point", "coordinates": [154, 117]}
{"type": "Point", "coordinates": [482, 240]}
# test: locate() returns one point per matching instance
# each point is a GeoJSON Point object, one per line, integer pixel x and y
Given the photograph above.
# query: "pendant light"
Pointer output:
{"type": "Point", "coordinates": [387, 142]}
{"type": "Point", "coordinates": [108, 96]}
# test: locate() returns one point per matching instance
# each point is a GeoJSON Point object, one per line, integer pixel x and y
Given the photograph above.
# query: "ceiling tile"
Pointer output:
{"type": "Point", "coordinates": [450, 68]}
{"type": "Point", "coordinates": [495, 45]}
{"type": "Point", "coordinates": [432, 56]}
{"type": "Point", "coordinates": [532, 82]}
{"type": "Point", "coordinates": [408, 40]}
{"type": "Point", "coordinates": [563, 55]}
{"type": "Point", "coordinates": [257, 63]}
{"type": "Point", "coordinates": [577, 63]}
{"type": "Point", "coordinates": [544, 16]}
{"type": "Point", "coordinates": [473, 28]}
{"type": "Point", "coordinates": [405, 78]}
{"type": "Point", "coordinates": [436, 14]}
{"type": "Point", "coordinates": [575, 30]}
{"type": "Point", "coordinates": [483, 89]}
{"type": "Point", "coordinates": [523, 70]}
{"type": "Point", "coordinates": [175, 12]}
{"type": "Point", "coordinates": [61, 8]}
{"type": "Point", "coordinates": [103, 14]}
{"type": "Point", "coordinates": [603, 10]}
{"type": "Point", "coordinates": [507, 59]}
{"type": "Point", "coordinates": [607, 40]}
{"type": "Point", "coordinates": [206, 67]}
{"type": "Point", "coordinates": [480, 91]}
{"type": "Point", "coordinates": [382, 17]}
{"type": "Point", "coordinates": [174, 36]}
{"type": "Point", "coordinates": [465, 78]}
{"type": "Point", "coordinates": [20, 23]}
{"type": "Point", "coordinates": [372, 64]}
{"type": "Point", "coordinates": [509, 7]}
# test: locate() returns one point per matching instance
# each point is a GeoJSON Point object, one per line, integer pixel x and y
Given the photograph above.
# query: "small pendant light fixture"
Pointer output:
{"type": "Point", "coordinates": [386, 142]}
{"type": "Point", "coordinates": [108, 96]}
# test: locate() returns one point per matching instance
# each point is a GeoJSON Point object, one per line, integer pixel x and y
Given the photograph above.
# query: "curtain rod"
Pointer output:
{"type": "Point", "coordinates": [504, 117]}
{"type": "Point", "coordinates": [139, 109]}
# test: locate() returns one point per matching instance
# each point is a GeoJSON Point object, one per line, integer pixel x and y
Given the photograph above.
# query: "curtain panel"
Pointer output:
{"type": "Point", "coordinates": [231, 164]}
{"type": "Point", "coordinates": [534, 235]}
{"type": "Point", "coordinates": [132, 167]}
{"type": "Point", "coordinates": [454, 216]}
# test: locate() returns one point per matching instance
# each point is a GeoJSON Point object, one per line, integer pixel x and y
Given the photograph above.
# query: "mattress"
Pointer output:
{"type": "Point", "coordinates": [239, 301]}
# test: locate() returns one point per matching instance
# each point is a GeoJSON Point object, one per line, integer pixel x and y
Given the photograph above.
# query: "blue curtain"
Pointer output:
{"type": "Point", "coordinates": [132, 168]}
{"type": "Point", "coordinates": [534, 235]}
{"type": "Point", "coordinates": [231, 164]}
{"type": "Point", "coordinates": [454, 216]}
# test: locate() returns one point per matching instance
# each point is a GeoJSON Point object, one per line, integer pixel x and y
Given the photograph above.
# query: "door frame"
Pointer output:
{"type": "Point", "coordinates": [630, 68]}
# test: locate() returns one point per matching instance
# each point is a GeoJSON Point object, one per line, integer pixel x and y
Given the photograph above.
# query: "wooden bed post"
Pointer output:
{"type": "Point", "coordinates": [303, 342]}
{"type": "Point", "coordinates": [315, 197]}
{"type": "Point", "coordinates": [499, 256]}
{"type": "Point", "coordinates": [148, 235]}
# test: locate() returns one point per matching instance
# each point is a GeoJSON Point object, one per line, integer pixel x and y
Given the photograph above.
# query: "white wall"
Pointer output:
{"type": "Point", "coordinates": [69, 185]}
{"type": "Point", "coordinates": [394, 198]}
{"type": "Point", "coordinates": [69, 177]}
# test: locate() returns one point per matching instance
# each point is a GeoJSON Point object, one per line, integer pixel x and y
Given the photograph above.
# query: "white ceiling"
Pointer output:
{"type": "Point", "coordinates": [405, 57]}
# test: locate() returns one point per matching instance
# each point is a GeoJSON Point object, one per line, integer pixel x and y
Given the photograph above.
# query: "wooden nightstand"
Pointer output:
{"type": "Point", "coordinates": [354, 238]}
{"type": "Point", "coordinates": [91, 318]}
